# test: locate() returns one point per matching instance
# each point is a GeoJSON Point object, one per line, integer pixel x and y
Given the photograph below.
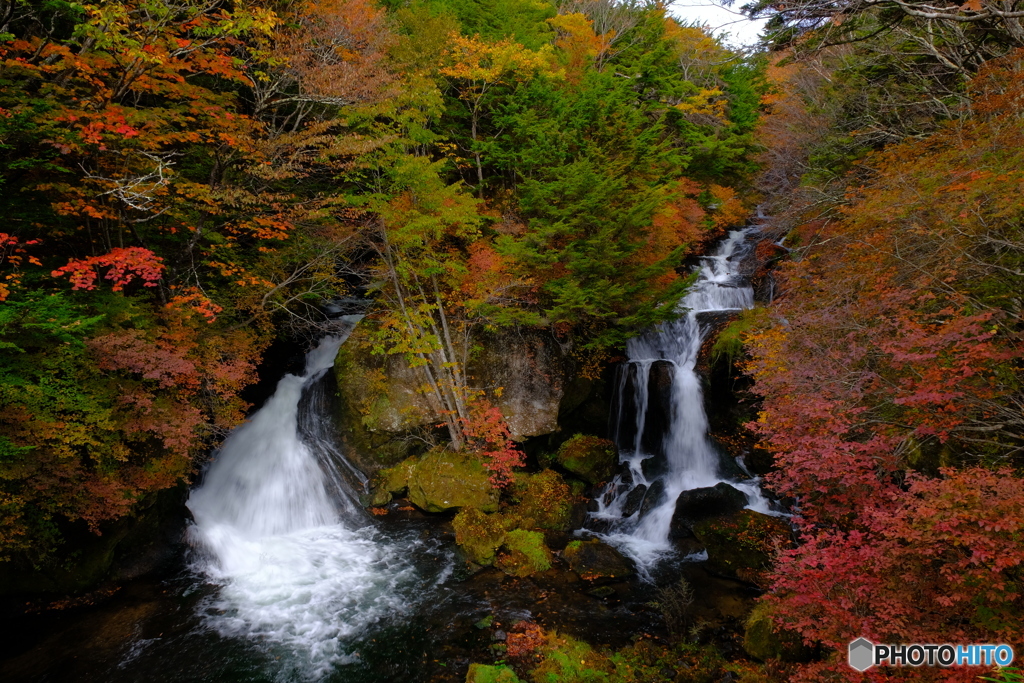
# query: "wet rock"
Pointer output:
{"type": "Point", "coordinates": [740, 545]}
{"type": "Point", "coordinates": [625, 475]}
{"type": "Point", "coordinates": [654, 467]}
{"type": "Point", "coordinates": [704, 503]}
{"type": "Point", "coordinates": [763, 640]}
{"type": "Point", "coordinates": [591, 458]}
{"type": "Point", "coordinates": [557, 540]}
{"type": "Point", "coordinates": [633, 500]}
{"type": "Point", "coordinates": [443, 480]}
{"type": "Point", "coordinates": [654, 497]}
{"type": "Point", "coordinates": [658, 418]}
{"type": "Point", "coordinates": [602, 592]}
{"type": "Point", "coordinates": [596, 560]}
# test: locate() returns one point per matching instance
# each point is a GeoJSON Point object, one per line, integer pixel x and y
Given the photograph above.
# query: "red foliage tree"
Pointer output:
{"type": "Point", "coordinates": [893, 356]}
{"type": "Point", "coordinates": [487, 433]}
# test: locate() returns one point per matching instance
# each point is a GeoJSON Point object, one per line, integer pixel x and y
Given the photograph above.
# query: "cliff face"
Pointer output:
{"type": "Point", "coordinates": [384, 417]}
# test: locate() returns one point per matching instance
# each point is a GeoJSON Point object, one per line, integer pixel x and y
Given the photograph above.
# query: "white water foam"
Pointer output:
{"type": "Point", "coordinates": [297, 568]}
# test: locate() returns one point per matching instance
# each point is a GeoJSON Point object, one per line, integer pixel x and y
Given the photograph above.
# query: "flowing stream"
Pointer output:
{"type": "Point", "coordinates": [297, 562]}
{"type": "Point", "coordinates": [637, 507]}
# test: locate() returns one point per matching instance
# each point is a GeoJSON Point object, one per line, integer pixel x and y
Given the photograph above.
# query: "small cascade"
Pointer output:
{"type": "Point", "coordinates": [298, 565]}
{"type": "Point", "coordinates": [667, 456]}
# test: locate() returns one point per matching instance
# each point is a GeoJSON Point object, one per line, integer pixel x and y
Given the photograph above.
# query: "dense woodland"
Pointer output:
{"type": "Point", "coordinates": [182, 182]}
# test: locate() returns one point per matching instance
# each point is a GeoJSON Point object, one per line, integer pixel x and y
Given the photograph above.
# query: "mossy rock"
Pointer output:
{"type": "Point", "coordinates": [567, 660]}
{"type": "Point", "coordinates": [545, 501]}
{"type": "Point", "coordinates": [526, 554]}
{"type": "Point", "coordinates": [393, 481]}
{"type": "Point", "coordinates": [485, 673]}
{"type": "Point", "coordinates": [443, 480]}
{"type": "Point", "coordinates": [596, 560]}
{"type": "Point", "coordinates": [376, 405]}
{"type": "Point", "coordinates": [763, 640]}
{"type": "Point", "coordinates": [590, 458]}
{"type": "Point", "coordinates": [479, 535]}
{"type": "Point", "coordinates": [741, 544]}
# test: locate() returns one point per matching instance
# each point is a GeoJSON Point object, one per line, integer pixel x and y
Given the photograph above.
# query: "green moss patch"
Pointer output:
{"type": "Point", "coordinates": [544, 501]}
{"type": "Point", "coordinates": [479, 535]}
{"type": "Point", "coordinates": [591, 458]}
{"type": "Point", "coordinates": [526, 554]}
{"type": "Point", "coordinates": [483, 673]}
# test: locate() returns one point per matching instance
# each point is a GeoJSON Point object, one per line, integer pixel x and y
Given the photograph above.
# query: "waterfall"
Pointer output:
{"type": "Point", "coordinates": [278, 529]}
{"type": "Point", "coordinates": [683, 458]}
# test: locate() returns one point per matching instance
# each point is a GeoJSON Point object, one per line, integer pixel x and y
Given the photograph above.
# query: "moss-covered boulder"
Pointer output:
{"type": "Point", "coordinates": [526, 553]}
{"type": "Point", "coordinates": [596, 560]}
{"type": "Point", "coordinates": [741, 545]}
{"type": "Point", "coordinates": [763, 640]}
{"type": "Point", "coordinates": [378, 402]}
{"type": "Point", "coordinates": [393, 481]}
{"type": "Point", "coordinates": [542, 501]}
{"type": "Point", "coordinates": [485, 673]}
{"type": "Point", "coordinates": [590, 458]}
{"type": "Point", "coordinates": [479, 535]}
{"type": "Point", "coordinates": [445, 480]}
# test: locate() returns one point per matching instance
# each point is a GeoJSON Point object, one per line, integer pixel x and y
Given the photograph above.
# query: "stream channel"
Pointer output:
{"type": "Point", "coordinates": [282, 576]}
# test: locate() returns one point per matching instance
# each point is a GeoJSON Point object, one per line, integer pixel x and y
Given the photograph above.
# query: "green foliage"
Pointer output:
{"type": "Point", "coordinates": [1006, 675]}
{"type": "Point", "coordinates": [729, 342]}
{"type": "Point", "coordinates": [189, 179]}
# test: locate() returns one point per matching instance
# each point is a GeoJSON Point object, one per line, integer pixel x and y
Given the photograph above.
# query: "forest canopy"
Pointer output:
{"type": "Point", "coordinates": [184, 181]}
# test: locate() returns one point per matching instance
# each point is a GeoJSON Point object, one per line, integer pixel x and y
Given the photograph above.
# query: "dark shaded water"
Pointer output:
{"type": "Point", "coordinates": [153, 629]}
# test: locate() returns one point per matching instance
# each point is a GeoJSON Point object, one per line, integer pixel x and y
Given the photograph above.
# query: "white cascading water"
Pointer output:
{"type": "Point", "coordinates": [298, 566]}
{"type": "Point", "coordinates": [692, 461]}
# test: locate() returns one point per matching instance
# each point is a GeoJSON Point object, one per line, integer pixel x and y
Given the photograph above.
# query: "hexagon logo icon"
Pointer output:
{"type": "Point", "coordinates": [862, 654]}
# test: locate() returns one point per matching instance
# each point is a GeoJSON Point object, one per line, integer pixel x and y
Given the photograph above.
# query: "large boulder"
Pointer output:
{"type": "Point", "coordinates": [526, 553]}
{"type": "Point", "coordinates": [596, 560]}
{"type": "Point", "coordinates": [381, 398]}
{"type": "Point", "coordinates": [696, 505]}
{"type": "Point", "coordinates": [764, 640]}
{"type": "Point", "coordinates": [543, 501]}
{"type": "Point", "coordinates": [479, 535]}
{"type": "Point", "coordinates": [741, 545]}
{"type": "Point", "coordinates": [439, 481]}
{"type": "Point", "coordinates": [591, 458]}
{"type": "Point", "coordinates": [528, 367]}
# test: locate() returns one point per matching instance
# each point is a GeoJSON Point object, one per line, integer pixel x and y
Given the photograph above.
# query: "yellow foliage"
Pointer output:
{"type": "Point", "coordinates": [487, 64]}
{"type": "Point", "coordinates": [709, 102]}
